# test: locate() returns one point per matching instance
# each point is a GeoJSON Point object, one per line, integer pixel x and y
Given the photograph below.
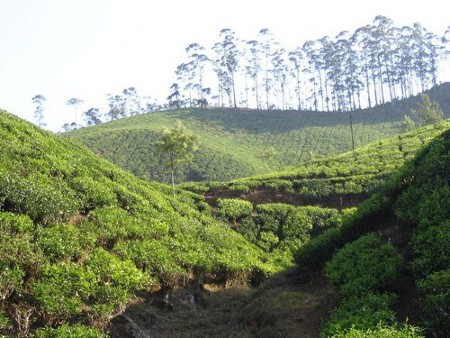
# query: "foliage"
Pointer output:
{"type": "Point", "coordinates": [383, 331]}
{"type": "Point", "coordinates": [178, 144]}
{"type": "Point", "coordinates": [67, 331]}
{"type": "Point", "coordinates": [233, 209]}
{"type": "Point", "coordinates": [363, 312]}
{"type": "Point", "coordinates": [79, 236]}
{"type": "Point", "coordinates": [428, 111]}
{"type": "Point", "coordinates": [363, 265]}
{"type": "Point", "coordinates": [437, 302]}
{"type": "Point", "coordinates": [408, 124]}
{"type": "Point", "coordinates": [314, 254]}
{"type": "Point", "coordinates": [233, 141]}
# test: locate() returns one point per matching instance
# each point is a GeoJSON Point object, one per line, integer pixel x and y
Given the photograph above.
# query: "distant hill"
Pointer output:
{"type": "Point", "coordinates": [239, 143]}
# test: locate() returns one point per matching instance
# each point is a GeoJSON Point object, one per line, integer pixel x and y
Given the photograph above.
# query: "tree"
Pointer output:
{"type": "Point", "coordinates": [226, 63]}
{"type": "Point", "coordinates": [116, 105]}
{"type": "Point", "coordinates": [92, 116]}
{"type": "Point", "coordinates": [76, 103]}
{"type": "Point", "coordinates": [174, 97]}
{"type": "Point", "coordinates": [179, 145]}
{"type": "Point", "coordinates": [428, 111]}
{"type": "Point", "coordinates": [132, 101]}
{"type": "Point", "coordinates": [198, 60]}
{"type": "Point", "coordinates": [39, 100]}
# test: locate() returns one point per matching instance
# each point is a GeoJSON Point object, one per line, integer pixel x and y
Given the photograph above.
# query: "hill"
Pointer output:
{"type": "Point", "coordinates": [338, 181]}
{"type": "Point", "coordinates": [378, 270]}
{"type": "Point", "coordinates": [241, 143]}
{"type": "Point", "coordinates": [86, 246]}
{"type": "Point", "coordinates": [80, 238]}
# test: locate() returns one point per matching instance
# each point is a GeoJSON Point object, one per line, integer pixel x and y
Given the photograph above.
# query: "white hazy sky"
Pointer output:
{"type": "Point", "coordinates": [88, 48]}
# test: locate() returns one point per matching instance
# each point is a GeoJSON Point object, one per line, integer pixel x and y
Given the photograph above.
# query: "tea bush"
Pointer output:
{"type": "Point", "coordinates": [363, 265]}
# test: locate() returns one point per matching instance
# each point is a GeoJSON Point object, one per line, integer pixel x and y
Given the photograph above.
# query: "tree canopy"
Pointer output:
{"type": "Point", "coordinates": [178, 144]}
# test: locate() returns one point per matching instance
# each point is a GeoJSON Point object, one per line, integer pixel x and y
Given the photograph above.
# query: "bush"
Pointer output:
{"type": "Point", "coordinates": [92, 193]}
{"type": "Point", "coordinates": [99, 286]}
{"type": "Point", "coordinates": [431, 249]}
{"type": "Point", "coordinates": [360, 313]}
{"type": "Point", "coordinates": [64, 241]}
{"type": "Point", "coordinates": [18, 252]}
{"type": "Point", "coordinates": [363, 265]}
{"type": "Point", "coordinates": [437, 302]}
{"type": "Point", "coordinates": [67, 331]}
{"type": "Point", "coordinates": [383, 331]}
{"type": "Point", "coordinates": [233, 209]}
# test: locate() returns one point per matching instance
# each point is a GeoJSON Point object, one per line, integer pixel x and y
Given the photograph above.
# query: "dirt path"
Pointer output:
{"type": "Point", "coordinates": [289, 304]}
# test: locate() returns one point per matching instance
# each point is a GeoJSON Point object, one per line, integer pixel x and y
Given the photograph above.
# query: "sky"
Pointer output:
{"type": "Point", "coordinates": [89, 48]}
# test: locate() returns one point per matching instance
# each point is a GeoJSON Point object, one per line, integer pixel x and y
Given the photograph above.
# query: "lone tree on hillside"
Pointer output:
{"type": "Point", "coordinates": [428, 111]}
{"type": "Point", "coordinates": [179, 145]}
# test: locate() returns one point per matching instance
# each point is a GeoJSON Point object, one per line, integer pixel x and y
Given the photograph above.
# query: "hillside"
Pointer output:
{"type": "Point", "coordinates": [338, 181]}
{"type": "Point", "coordinates": [86, 248]}
{"type": "Point", "coordinates": [80, 238]}
{"type": "Point", "coordinates": [378, 270]}
{"type": "Point", "coordinates": [241, 143]}
{"type": "Point", "coordinates": [391, 260]}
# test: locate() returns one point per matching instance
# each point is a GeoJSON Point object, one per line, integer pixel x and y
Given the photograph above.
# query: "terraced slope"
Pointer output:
{"type": "Point", "coordinates": [339, 181]}
{"type": "Point", "coordinates": [241, 143]}
{"type": "Point", "coordinates": [80, 237]}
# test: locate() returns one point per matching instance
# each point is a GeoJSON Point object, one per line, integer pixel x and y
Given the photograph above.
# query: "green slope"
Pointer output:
{"type": "Point", "coordinates": [240, 143]}
{"type": "Point", "coordinates": [78, 236]}
{"type": "Point", "coordinates": [388, 258]}
{"type": "Point", "coordinates": [391, 260]}
{"type": "Point", "coordinates": [338, 181]}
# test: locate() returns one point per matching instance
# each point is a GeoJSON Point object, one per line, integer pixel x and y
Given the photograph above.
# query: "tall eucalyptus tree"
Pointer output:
{"type": "Point", "coordinates": [297, 59]}
{"type": "Point", "coordinates": [198, 61]}
{"type": "Point", "coordinates": [39, 101]}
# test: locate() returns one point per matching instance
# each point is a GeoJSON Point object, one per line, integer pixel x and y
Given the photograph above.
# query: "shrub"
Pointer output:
{"type": "Point", "coordinates": [233, 209]}
{"type": "Point", "coordinates": [383, 331]}
{"type": "Point", "coordinates": [437, 302]}
{"type": "Point", "coordinates": [428, 111]}
{"type": "Point", "coordinates": [360, 313]}
{"type": "Point", "coordinates": [431, 249]}
{"type": "Point", "coordinates": [93, 193]}
{"type": "Point", "coordinates": [18, 253]}
{"type": "Point", "coordinates": [363, 265]}
{"type": "Point", "coordinates": [67, 331]}
{"type": "Point", "coordinates": [64, 241]}
{"type": "Point", "coordinates": [407, 124]}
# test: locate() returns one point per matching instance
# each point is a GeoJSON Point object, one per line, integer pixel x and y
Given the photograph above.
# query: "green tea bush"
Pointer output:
{"type": "Point", "coordinates": [437, 302]}
{"type": "Point", "coordinates": [431, 249]}
{"type": "Point", "coordinates": [233, 209]}
{"type": "Point", "coordinates": [363, 265]}
{"type": "Point", "coordinates": [18, 252]}
{"type": "Point", "coordinates": [153, 257]}
{"type": "Point", "coordinates": [383, 331]}
{"type": "Point", "coordinates": [363, 313]}
{"type": "Point", "coordinates": [92, 193]}
{"type": "Point", "coordinates": [99, 286]}
{"type": "Point", "coordinates": [64, 241]}
{"type": "Point", "coordinates": [42, 199]}
{"type": "Point", "coordinates": [68, 331]}
{"type": "Point", "coordinates": [60, 290]}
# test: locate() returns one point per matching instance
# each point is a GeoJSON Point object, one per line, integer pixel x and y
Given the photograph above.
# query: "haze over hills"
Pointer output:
{"type": "Point", "coordinates": [240, 143]}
